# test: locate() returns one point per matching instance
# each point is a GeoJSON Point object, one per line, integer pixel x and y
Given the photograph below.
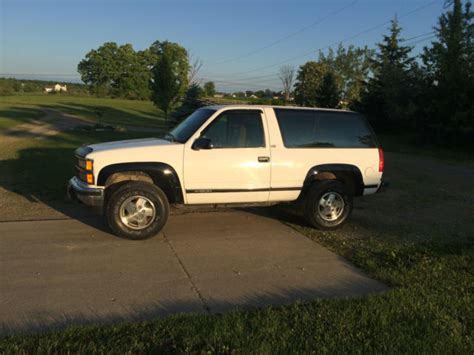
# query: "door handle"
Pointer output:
{"type": "Point", "coordinates": [263, 159]}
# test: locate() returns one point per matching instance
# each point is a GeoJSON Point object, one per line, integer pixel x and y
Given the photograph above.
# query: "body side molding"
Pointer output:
{"type": "Point", "coordinates": [200, 191]}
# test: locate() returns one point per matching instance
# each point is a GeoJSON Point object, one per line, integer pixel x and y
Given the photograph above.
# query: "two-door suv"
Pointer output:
{"type": "Point", "coordinates": [318, 158]}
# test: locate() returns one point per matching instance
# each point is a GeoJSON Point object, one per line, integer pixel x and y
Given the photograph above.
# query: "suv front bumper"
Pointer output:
{"type": "Point", "coordinates": [80, 191]}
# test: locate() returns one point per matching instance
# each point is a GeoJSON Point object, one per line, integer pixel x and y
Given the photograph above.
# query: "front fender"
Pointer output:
{"type": "Point", "coordinates": [163, 175]}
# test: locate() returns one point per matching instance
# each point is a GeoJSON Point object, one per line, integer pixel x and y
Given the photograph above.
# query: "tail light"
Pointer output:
{"type": "Point", "coordinates": [381, 160]}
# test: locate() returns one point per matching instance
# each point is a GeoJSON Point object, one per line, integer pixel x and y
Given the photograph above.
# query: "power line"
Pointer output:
{"type": "Point", "coordinates": [408, 41]}
{"type": "Point", "coordinates": [420, 8]}
{"type": "Point", "coordinates": [414, 37]}
{"type": "Point", "coordinates": [291, 35]}
{"type": "Point", "coordinates": [422, 40]}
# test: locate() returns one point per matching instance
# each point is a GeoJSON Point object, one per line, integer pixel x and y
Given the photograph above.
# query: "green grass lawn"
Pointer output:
{"type": "Point", "coordinates": [101, 110]}
{"type": "Point", "coordinates": [40, 168]}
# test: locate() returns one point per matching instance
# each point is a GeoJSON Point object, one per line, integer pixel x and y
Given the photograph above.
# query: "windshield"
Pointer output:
{"type": "Point", "coordinates": [182, 132]}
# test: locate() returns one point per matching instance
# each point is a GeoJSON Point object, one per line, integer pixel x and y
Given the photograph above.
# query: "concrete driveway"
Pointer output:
{"type": "Point", "coordinates": [62, 272]}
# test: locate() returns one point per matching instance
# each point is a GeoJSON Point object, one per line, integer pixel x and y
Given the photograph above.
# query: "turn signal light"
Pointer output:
{"type": "Point", "coordinates": [90, 179]}
{"type": "Point", "coordinates": [89, 165]}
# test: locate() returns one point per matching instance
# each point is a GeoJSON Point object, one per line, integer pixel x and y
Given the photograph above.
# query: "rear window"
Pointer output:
{"type": "Point", "coordinates": [324, 129]}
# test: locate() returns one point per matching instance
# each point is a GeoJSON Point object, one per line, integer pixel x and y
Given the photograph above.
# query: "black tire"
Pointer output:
{"type": "Point", "coordinates": [155, 199]}
{"type": "Point", "coordinates": [326, 189]}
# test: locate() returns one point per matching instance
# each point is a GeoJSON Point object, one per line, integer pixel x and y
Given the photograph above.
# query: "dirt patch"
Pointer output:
{"type": "Point", "coordinates": [51, 124]}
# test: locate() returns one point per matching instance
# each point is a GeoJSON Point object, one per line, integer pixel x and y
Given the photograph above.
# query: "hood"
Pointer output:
{"type": "Point", "coordinates": [127, 144]}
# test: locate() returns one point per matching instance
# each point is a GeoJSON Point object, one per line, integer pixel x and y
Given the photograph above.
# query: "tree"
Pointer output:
{"type": "Point", "coordinates": [132, 76]}
{"type": "Point", "coordinates": [194, 69]}
{"type": "Point", "coordinates": [328, 94]}
{"type": "Point", "coordinates": [351, 67]}
{"type": "Point", "coordinates": [260, 93]}
{"type": "Point", "coordinates": [170, 74]}
{"type": "Point", "coordinates": [98, 69]}
{"type": "Point", "coordinates": [309, 78]}
{"type": "Point", "coordinates": [191, 102]}
{"type": "Point", "coordinates": [287, 76]}
{"type": "Point", "coordinates": [166, 84]}
{"type": "Point", "coordinates": [178, 56]}
{"type": "Point", "coordinates": [209, 89]}
{"type": "Point", "coordinates": [116, 70]}
{"type": "Point", "coordinates": [449, 67]}
{"type": "Point", "coordinates": [388, 94]}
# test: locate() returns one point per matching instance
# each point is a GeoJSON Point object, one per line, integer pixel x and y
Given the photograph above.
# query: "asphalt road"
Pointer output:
{"type": "Point", "coordinates": [62, 272]}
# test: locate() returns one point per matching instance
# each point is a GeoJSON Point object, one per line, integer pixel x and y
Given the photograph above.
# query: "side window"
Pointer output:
{"type": "Point", "coordinates": [324, 129]}
{"type": "Point", "coordinates": [344, 130]}
{"type": "Point", "coordinates": [298, 127]}
{"type": "Point", "coordinates": [236, 129]}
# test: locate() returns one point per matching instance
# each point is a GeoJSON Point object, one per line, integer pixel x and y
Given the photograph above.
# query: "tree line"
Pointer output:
{"type": "Point", "coordinates": [431, 94]}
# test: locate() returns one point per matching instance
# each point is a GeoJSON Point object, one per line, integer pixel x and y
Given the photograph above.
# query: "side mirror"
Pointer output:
{"type": "Point", "coordinates": [202, 143]}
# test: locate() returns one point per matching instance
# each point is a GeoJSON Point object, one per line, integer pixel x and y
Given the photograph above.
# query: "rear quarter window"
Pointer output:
{"type": "Point", "coordinates": [324, 129]}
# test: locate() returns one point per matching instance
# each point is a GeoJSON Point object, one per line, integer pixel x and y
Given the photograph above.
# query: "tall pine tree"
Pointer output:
{"type": "Point", "coordinates": [449, 65]}
{"type": "Point", "coordinates": [386, 99]}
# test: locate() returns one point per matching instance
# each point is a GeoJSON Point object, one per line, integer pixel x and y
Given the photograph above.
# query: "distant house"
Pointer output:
{"type": "Point", "coordinates": [55, 88]}
{"type": "Point", "coordinates": [253, 96]}
{"type": "Point", "coordinates": [218, 96]}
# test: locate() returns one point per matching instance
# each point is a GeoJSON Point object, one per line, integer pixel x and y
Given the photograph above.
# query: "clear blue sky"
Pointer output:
{"type": "Point", "coordinates": [49, 37]}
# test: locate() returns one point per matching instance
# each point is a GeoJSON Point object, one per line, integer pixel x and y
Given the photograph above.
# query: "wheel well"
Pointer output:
{"type": "Point", "coordinates": [349, 175]}
{"type": "Point", "coordinates": [116, 180]}
{"type": "Point", "coordinates": [325, 176]}
{"type": "Point", "coordinates": [159, 174]}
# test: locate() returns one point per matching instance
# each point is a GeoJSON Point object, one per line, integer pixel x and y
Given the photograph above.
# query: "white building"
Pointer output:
{"type": "Point", "coordinates": [56, 88]}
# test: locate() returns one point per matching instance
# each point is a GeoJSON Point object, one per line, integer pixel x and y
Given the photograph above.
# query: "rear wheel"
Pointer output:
{"type": "Point", "coordinates": [137, 210]}
{"type": "Point", "coordinates": [328, 204]}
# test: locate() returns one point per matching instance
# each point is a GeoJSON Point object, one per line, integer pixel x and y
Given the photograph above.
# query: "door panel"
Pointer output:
{"type": "Point", "coordinates": [237, 168]}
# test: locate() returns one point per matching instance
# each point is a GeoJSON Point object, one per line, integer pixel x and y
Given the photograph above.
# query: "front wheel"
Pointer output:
{"type": "Point", "coordinates": [328, 204]}
{"type": "Point", "coordinates": [137, 210]}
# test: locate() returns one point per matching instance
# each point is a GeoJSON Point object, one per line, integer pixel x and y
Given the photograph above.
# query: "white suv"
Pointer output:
{"type": "Point", "coordinates": [233, 155]}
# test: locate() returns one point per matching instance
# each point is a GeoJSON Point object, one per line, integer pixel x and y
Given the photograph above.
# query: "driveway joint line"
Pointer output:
{"type": "Point", "coordinates": [188, 275]}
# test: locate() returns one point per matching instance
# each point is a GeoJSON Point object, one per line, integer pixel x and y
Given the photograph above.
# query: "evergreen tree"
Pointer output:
{"type": "Point", "coordinates": [387, 95]}
{"type": "Point", "coordinates": [166, 85]}
{"type": "Point", "coordinates": [191, 102]}
{"type": "Point", "coordinates": [449, 65]}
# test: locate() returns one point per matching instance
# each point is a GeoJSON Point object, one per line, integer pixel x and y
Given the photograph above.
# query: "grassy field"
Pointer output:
{"type": "Point", "coordinates": [101, 110]}
{"type": "Point", "coordinates": [417, 237]}
{"type": "Point", "coordinates": [24, 161]}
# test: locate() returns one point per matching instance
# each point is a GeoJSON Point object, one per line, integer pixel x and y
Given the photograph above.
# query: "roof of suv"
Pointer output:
{"type": "Point", "coordinates": [235, 106]}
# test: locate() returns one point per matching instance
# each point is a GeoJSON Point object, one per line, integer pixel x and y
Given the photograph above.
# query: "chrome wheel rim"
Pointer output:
{"type": "Point", "coordinates": [137, 212]}
{"type": "Point", "coordinates": [331, 206]}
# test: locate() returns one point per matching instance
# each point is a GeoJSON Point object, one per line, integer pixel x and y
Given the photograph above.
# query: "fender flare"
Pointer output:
{"type": "Point", "coordinates": [162, 174]}
{"type": "Point", "coordinates": [349, 174]}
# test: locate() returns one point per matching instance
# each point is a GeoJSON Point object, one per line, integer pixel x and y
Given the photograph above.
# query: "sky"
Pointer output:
{"type": "Point", "coordinates": [241, 43]}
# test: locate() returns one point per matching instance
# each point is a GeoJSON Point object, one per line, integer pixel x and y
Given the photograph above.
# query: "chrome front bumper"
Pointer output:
{"type": "Point", "coordinates": [80, 191]}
